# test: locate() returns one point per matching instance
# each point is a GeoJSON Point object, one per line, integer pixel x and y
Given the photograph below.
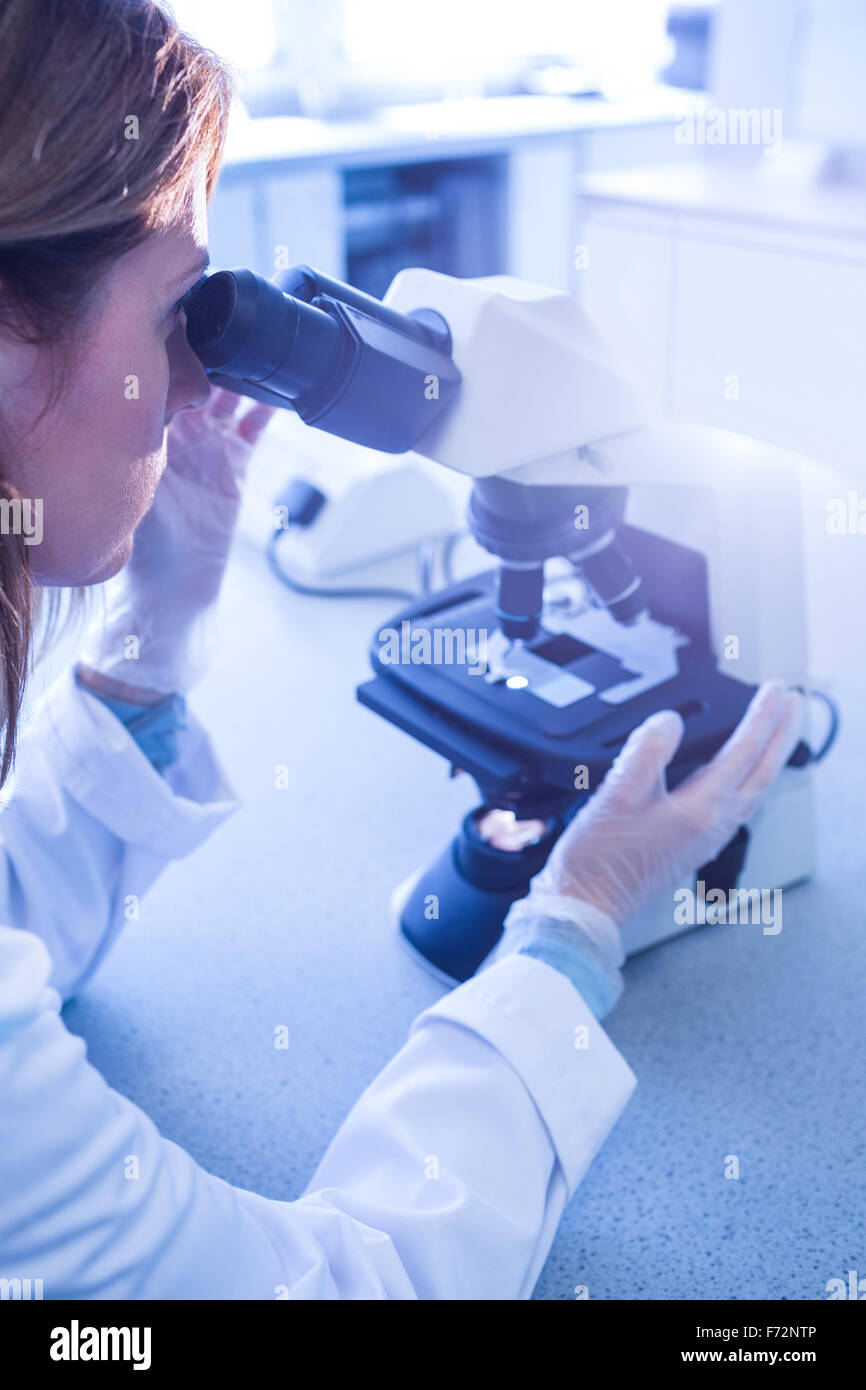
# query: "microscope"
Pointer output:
{"type": "Point", "coordinates": [636, 567]}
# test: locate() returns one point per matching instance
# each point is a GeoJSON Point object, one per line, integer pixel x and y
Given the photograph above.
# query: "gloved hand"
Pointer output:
{"type": "Point", "coordinates": [634, 838]}
{"type": "Point", "coordinates": [151, 639]}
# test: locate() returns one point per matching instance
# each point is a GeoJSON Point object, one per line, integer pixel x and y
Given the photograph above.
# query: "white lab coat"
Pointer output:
{"type": "Point", "coordinates": [489, 1085]}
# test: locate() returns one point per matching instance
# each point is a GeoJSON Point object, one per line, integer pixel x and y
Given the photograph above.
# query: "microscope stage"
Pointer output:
{"type": "Point", "coordinates": [581, 651]}
{"type": "Point", "coordinates": [515, 715]}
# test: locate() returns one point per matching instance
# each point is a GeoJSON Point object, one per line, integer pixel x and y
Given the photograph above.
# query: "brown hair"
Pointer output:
{"type": "Point", "coordinates": [106, 107]}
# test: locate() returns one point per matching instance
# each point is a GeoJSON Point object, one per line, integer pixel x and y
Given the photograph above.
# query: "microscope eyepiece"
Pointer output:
{"type": "Point", "coordinates": [246, 328]}
{"type": "Point", "coordinates": [340, 359]}
{"type": "Point", "coordinates": [210, 311]}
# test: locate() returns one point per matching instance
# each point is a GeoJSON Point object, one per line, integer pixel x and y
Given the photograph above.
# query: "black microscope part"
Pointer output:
{"type": "Point", "coordinates": [343, 361]}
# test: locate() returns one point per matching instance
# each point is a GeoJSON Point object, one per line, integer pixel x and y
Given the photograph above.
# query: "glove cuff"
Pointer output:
{"type": "Point", "coordinates": [160, 658]}
{"type": "Point", "coordinates": [562, 907]}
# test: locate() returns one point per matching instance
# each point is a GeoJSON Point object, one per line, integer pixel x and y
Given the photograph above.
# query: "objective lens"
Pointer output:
{"type": "Point", "coordinates": [520, 600]}
{"type": "Point", "coordinates": [616, 582]}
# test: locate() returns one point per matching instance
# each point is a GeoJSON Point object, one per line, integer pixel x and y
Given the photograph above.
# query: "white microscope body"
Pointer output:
{"type": "Point", "coordinates": [542, 404]}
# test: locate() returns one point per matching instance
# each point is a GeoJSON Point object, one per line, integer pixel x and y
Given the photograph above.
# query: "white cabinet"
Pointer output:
{"type": "Point", "coordinates": [233, 221]}
{"type": "Point", "coordinates": [544, 240]}
{"type": "Point", "coordinates": [284, 198]}
{"type": "Point", "coordinates": [267, 219]}
{"type": "Point", "coordinates": [541, 222]}
{"type": "Point", "coordinates": [752, 323]}
{"type": "Point", "coordinates": [626, 285]}
{"type": "Point", "coordinates": [772, 343]}
{"type": "Point", "coordinates": [304, 220]}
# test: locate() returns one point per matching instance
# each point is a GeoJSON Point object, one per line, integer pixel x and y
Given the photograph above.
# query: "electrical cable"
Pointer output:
{"type": "Point", "coordinates": [834, 723]}
{"type": "Point", "coordinates": [425, 554]}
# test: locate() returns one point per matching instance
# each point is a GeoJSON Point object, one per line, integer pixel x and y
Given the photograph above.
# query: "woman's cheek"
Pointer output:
{"type": "Point", "coordinates": [157, 395]}
{"type": "Point", "coordinates": [144, 445]}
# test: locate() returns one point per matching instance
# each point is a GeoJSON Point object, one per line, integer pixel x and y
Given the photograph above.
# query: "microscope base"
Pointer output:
{"type": "Point", "coordinates": [399, 899]}
{"type": "Point", "coordinates": [450, 924]}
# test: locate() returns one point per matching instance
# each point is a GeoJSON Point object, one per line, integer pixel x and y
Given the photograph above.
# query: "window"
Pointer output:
{"type": "Point", "coordinates": [341, 55]}
{"type": "Point", "coordinates": [245, 33]}
{"type": "Point", "coordinates": [397, 32]}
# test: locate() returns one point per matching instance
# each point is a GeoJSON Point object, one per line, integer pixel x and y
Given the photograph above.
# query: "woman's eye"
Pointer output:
{"type": "Point", "coordinates": [175, 312]}
{"type": "Point", "coordinates": [183, 302]}
{"type": "Point", "coordinates": [182, 305]}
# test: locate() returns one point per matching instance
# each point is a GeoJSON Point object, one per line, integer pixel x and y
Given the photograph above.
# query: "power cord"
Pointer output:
{"type": "Point", "coordinates": [425, 556]}
{"type": "Point", "coordinates": [834, 723]}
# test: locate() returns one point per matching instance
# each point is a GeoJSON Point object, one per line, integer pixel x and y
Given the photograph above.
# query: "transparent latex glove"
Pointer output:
{"type": "Point", "coordinates": [151, 640]}
{"type": "Point", "coordinates": [634, 838]}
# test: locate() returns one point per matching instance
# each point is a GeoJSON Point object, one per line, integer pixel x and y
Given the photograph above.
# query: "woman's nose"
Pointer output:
{"type": "Point", "coordinates": [188, 386]}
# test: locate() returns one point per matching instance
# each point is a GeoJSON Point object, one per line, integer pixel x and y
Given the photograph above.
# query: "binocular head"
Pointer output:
{"type": "Point", "coordinates": [342, 360]}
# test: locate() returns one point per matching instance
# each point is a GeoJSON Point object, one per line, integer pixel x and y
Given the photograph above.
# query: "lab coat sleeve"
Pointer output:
{"type": "Point", "coordinates": [447, 1180]}
{"type": "Point", "coordinates": [469, 1144]}
{"type": "Point", "coordinates": [88, 824]}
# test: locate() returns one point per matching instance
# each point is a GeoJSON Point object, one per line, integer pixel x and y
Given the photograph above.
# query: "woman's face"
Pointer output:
{"type": "Point", "coordinates": [94, 459]}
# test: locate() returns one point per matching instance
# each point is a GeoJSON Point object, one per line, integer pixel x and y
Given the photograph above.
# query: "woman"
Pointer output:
{"type": "Point", "coordinates": [450, 1174]}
